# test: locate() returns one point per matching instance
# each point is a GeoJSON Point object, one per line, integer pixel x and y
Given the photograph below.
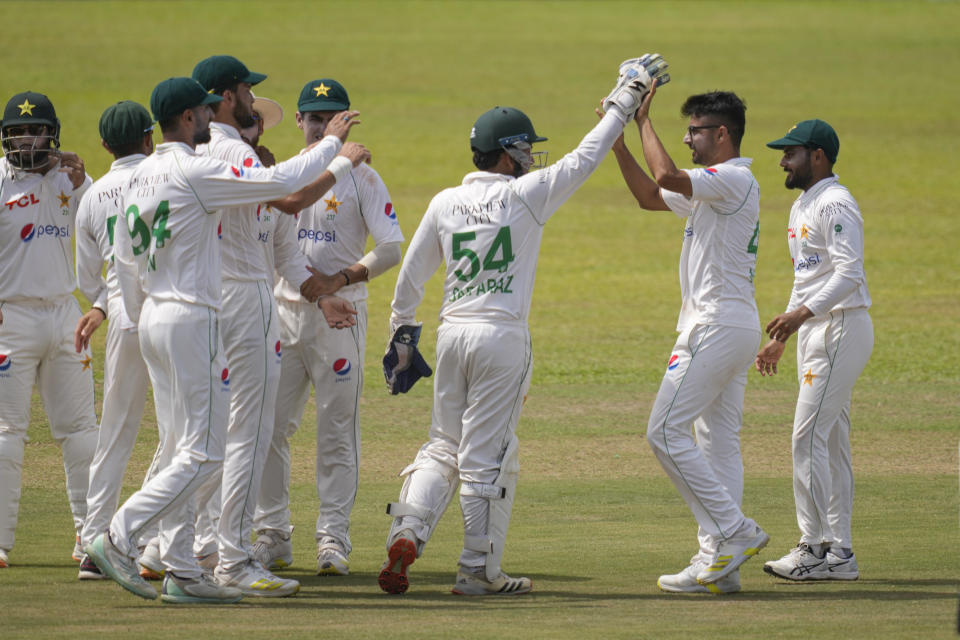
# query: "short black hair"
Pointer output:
{"type": "Point", "coordinates": [171, 123]}
{"type": "Point", "coordinates": [726, 106]}
{"type": "Point", "coordinates": [484, 160]}
{"type": "Point", "coordinates": [125, 149]}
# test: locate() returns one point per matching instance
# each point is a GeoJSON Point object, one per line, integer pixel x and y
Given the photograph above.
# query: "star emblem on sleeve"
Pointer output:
{"type": "Point", "coordinates": [332, 203]}
{"type": "Point", "coordinates": [26, 109]}
{"type": "Point", "coordinates": [808, 377]}
{"type": "Point", "coordinates": [64, 199]}
{"type": "Point", "coordinates": [321, 90]}
{"type": "Point", "coordinates": [86, 362]}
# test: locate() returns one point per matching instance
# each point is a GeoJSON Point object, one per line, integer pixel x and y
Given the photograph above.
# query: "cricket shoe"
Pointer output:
{"type": "Point", "coordinates": [273, 549]}
{"type": "Point", "coordinates": [151, 567]}
{"type": "Point", "coordinates": [78, 553]}
{"type": "Point", "coordinates": [842, 565]}
{"type": "Point", "coordinates": [402, 553]}
{"type": "Point", "coordinates": [733, 552]}
{"type": "Point", "coordinates": [253, 580]}
{"type": "Point", "coordinates": [209, 562]}
{"type": "Point", "coordinates": [800, 564]}
{"type": "Point", "coordinates": [4, 559]}
{"type": "Point", "coordinates": [472, 581]}
{"type": "Point", "coordinates": [119, 567]}
{"type": "Point", "coordinates": [686, 582]}
{"type": "Point", "coordinates": [200, 590]}
{"type": "Point", "coordinates": [89, 570]}
{"type": "Point", "coordinates": [332, 558]}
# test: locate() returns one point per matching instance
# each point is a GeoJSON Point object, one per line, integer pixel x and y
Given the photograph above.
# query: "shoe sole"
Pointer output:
{"type": "Point", "coordinates": [725, 565]}
{"type": "Point", "coordinates": [330, 569]}
{"type": "Point", "coordinates": [150, 574]}
{"type": "Point", "coordinates": [393, 577]}
{"type": "Point", "coordinates": [700, 588]}
{"type": "Point", "coordinates": [512, 588]}
{"type": "Point", "coordinates": [90, 575]}
{"type": "Point", "coordinates": [808, 577]}
{"type": "Point", "coordinates": [280, 592]}
{"type": "Point", "coordinates": [104, 565]}
{"type": "Point", "coordinates": [169, 599]}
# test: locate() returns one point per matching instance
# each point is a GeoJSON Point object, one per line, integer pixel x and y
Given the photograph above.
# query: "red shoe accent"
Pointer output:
{"type": "Point", "coordinates": [393, 576]}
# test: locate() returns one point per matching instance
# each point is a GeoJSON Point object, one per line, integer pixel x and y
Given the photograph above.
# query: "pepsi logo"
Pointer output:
{"type": "Point", "coordinates": [341, 367]}
{"type": "Point", "coordinates": [225, 376]}
{"type": "Point", "coordinates": [248, 162]}
{"type": "Point", "coordinates": [277, 349]}
{"type": "Point", "coordinates": [219, 231]}
{"type": "Point", "coordinates": [27, 233]}
{"type": "Point", "coordinates": [5, 363]}
{"type": "Point", "coordinates": [237, 172]}
{"type": "Point", "coordinates": [711, 171]}
{"type": "Point", "coordinates": [673, 362]}
{"type": "Point", "coordinates": [389, 212]}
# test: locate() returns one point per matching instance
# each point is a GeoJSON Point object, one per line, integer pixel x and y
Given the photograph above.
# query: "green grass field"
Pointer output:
{"type": "Point", "coordinates": [596, 521]}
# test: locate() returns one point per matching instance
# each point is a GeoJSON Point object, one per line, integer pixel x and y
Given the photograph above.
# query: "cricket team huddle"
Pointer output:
{"type": "Point", "coordinates": [232, 282]}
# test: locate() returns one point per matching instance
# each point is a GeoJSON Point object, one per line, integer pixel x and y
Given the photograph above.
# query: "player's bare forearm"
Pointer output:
{"type": "Point", "coordinates": [786, 324]}
{"type": "Point", "coordinates": [86, 325]}
{"type": "Point", "coordinates": [768, 357]}
{"type": "Point", "coordinates": [662, 168]}
{"type": "Point", "coordinates": [643, 188]}
{"type": "Point", "coordinates": [297, 202]}
{"type": "Point", "coordinates": [319, 284]}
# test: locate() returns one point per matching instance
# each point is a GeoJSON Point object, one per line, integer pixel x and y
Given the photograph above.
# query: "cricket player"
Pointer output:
{"type": "Point", "coordinates": [828, 310]}
{"type": "Point", "coordinates": [126, 132]}
{"type": "Point", "coordinates": [254, 240]}
{"type": "Point", "coordinates": [332, 230]}
{"type": "Point", "coordinates": [168, 266]}
{"type": "Point", "coordinates": [487, 232]}
{"type": "Point", "coordinates": [719, 329]}
{"type": "Point", "coordinates": [40, 190]}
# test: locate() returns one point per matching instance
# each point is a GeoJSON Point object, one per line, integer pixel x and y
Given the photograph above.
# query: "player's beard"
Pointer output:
{"type": "Point", "coordinates": [202, 137]}
{"type": "Point", "coordinates": [800, 178]}
{"type": "Point", "coordinates": [243, 114]}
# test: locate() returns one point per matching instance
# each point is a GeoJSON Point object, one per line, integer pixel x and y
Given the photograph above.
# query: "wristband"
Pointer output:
{"type": "Point", "coordinates": [340, 167]}
{"type": "Point", "coordinates": [346, 276]}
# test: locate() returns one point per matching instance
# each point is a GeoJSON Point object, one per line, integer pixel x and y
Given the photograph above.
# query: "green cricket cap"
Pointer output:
{"type": "Point", "coordinates": [324, 94]}
{"type": "Point", "coordinates": [173, 96]}
{"type": "Point", "coordinates": [124, 122]}
{"type": "Point", "coordinates": [216, 73]}
{"type": "Point", "coordinates": [501, 127]}
{"type": "Point", "coordinates": [813, 134]}
{"type": "Point", "coordinates": [29, 107]}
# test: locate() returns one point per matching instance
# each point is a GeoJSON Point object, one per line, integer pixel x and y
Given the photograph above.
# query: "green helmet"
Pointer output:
{"type": "Point", "coordinates": [501, 127]}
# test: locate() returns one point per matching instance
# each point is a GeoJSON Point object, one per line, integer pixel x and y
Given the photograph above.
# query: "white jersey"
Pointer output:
{"type": "Point", "coordinates": [825, 236]}
{"type": "Point", "coordinates": [248, 232]}
{"type": "Point", "coordinates": [488, 232]}
{"type": "Point", "coordinates": [96, 220]}
{"type": "Point", "coordinates": [37, 215]}
{"type": "Point", "coordinates": [333, 231]}
{"type": "Point", "coordinates": [719, 255]}
{"type": "Point", "coordinates": [172, 210]}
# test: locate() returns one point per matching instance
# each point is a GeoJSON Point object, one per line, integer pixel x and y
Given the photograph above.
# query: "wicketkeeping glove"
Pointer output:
{"type": "Point", "coordinates": [403, 365]}
{"type": "Point", "coordinates": [636, 77]}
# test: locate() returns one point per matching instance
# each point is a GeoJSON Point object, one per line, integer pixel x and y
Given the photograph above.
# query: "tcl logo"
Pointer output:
{"type": "Point", "coordinates": [23, 201]}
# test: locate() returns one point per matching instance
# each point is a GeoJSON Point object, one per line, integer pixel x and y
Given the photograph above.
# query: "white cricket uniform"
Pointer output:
{"type": "Point", "coordinates": [719, 331]}
{"type": "Point", "coordinates": [825, 237]}
{"type": "Point", "coordinates": [172, 209]}
{"type": "Point", "coordinates": [125, 377]}
{"type": "Point", "coordinates": [40, 314]}
{"type": "Point", "coordinates": [333, 234]}
{"type": "Point", "coordinates": [251, 339]}
{"type": "Point", "coordinates": [487, 231]}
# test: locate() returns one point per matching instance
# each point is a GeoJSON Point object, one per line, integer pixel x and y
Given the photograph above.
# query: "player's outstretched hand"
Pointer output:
{"type": "Point", "coordinates": [341, 124]}
{"type": "Point", "coordinates": [86, 325]}
{"type": "Point", "coordinates": [319, 284]}
{"type": "Point", "coordinates": [768, 357]}
{"type": "Point", "coordinates": [72, 165]}
{"type": "Point", "coordinates": [636, 77]}
{"type": "Point", "coordinates": [339, 313]}
{"type": "Point", "coordinates": [355, 153]}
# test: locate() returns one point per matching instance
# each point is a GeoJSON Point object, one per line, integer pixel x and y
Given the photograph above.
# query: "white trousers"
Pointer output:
{"type": "Point", "coordinates": [36, 346]}
{"type": "Point", "coordinates": [703, 387]}
{"type": "Point", "coordinates": [831, 354]}
{"type": "Point", "coordinates": [125, 381]}
{"type": "Point", "coordinates": [191, 387]}
{"type": "Point", "coordinates": [332, 360]}
{"type": "Point", "coordinates": [482, 378]}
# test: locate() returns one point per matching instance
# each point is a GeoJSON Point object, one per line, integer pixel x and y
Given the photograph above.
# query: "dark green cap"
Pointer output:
{"type": "Point", "coordinates": [173, 96]}
{"type": "Point", "coordinates": [324, 94]}
{"type": "Point", "coordinates": [812, 134]}
{"type": "Point", "coordinates": [29, 108]}
{"type": "Point", "coordinates": [501, 127]}
{"type": "Point", "coordinates": [124, 122]}
{"type": "Point", "coordinates": [216, 73]}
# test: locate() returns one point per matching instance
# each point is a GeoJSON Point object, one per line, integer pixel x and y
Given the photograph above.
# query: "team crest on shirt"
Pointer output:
{"type": "Point", "coordinates": [342, 368]}
{"type": "Point", "coordinates": [673, 362]}
{"type": "Point", "coordinates": [5, 363]}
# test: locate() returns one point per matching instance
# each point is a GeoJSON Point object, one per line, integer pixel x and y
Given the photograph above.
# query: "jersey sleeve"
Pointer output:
{"type": "Point", "coordinates": [376, 207]}
{"type": "Point", "coordinates": [219, 184]}
{"type": "Point", "coordinates": [543, 191]}
{"type": "Point", "coordinates": [289, 261]}
{"type": "Point", "coordinates": [678, 203]}
{"type": "Point", "coordinates": [424, 256]}
{"type": "Point", "coordinates": [89, 261]}
{"type": "Point", "coordinates": [842, 230]}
